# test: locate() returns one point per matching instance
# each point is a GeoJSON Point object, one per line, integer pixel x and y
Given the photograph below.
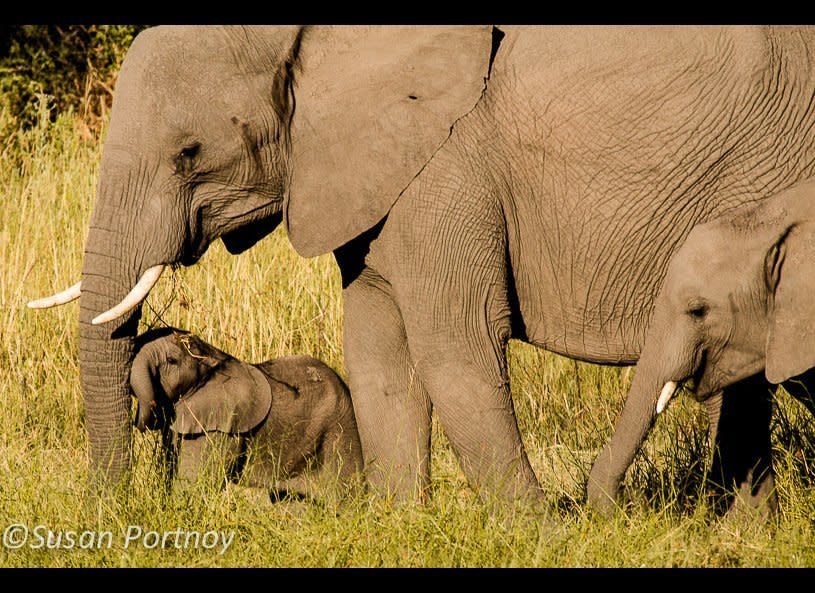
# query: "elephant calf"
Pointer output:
{"type": "Point", "coordinates": [273, 422]}
{"type": "Point", "coordinates": [735, 317]}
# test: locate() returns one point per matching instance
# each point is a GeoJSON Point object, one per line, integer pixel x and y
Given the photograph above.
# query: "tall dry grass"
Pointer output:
{"type": "Point", "coordinates": [270, 302]}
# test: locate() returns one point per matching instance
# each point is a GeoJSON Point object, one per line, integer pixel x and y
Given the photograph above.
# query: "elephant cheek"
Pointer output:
{"type": "Point", "coordinates": [727, 366]}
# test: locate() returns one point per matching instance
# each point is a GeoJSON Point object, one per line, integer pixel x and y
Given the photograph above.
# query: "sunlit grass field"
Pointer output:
{"type": "Point", "coordinates": [270, 302]}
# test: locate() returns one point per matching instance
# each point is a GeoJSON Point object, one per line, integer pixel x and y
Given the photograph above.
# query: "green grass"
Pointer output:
{"type": "Point", "coordinates": [282, 304]}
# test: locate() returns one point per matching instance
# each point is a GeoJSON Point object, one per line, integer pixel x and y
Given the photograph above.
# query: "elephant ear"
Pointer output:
{"type": "Point", "coordinates": [235, 399]}
{"type": "Point", "coordinates": [372, 106]}
{"type": "Point", "coordinates": [790, 266]}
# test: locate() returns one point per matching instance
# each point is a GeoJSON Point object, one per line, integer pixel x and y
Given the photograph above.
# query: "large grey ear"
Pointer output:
{"type": "Point", "coordinates": [372, 105]}
{"type": "Point", "coordinates": [235, 399]}
{"type": "Point", "coordinates": [790, 265]}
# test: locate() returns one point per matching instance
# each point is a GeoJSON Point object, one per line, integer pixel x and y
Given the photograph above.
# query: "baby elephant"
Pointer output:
{"type": "Point", "coordinates": [734, 318]}
{"type": "Point", "coordinates": [274, 422]}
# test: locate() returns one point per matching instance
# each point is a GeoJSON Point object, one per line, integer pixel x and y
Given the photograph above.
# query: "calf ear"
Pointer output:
{"type": "Point", "coordinates": [236, 398]}
{"type": "Point", "coordinates": [790, 274]}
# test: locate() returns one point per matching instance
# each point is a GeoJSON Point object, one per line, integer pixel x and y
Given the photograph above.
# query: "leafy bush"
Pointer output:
{"type": "Point", "coordinates": [70, 67]}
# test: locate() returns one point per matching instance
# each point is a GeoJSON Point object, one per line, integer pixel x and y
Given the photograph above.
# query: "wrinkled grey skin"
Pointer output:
{"type": "Point", "coordinates": [473, 187]}
{"type": "Point", "coordinates": [273, 421]}
{"type": "Point", "coordinates": [735, 317]}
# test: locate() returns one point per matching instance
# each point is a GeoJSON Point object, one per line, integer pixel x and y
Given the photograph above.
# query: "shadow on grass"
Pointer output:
{"type": "Point", "coordinates": [793, 432]}
{"type": "Point", "coordinates": [674, 478]}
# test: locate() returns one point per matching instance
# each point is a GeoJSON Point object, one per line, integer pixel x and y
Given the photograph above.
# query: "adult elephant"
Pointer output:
{"type": "Point", "coordinates": [474, 184]}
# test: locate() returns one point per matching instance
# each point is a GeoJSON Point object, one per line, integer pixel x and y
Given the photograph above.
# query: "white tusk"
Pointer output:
{"type": "Point", "coordinates": [134, 297]}
{"type": "Point", "coordinates": [66, 296]}
{"type": "Point", "coordinates": [666, 395]}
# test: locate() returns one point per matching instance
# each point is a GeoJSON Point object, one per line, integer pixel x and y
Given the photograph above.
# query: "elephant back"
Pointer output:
{"type": "Point", "coordinates": [303, 380]}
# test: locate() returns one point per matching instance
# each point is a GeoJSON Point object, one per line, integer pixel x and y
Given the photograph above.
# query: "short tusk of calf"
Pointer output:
{"type": "Point", "coordinates": [665, 396]}
{"type": "Point", "coordinates": [137, 295]}
{"type": "Point", "coordinates": [66, 296]}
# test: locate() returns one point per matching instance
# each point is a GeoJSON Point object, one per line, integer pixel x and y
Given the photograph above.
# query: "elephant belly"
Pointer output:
{"type": "Point", "coordinates": [616, 148]}
{"type": "Point", "coordinates": [280, 450]}
{"type": "Point", "coordinates": [587, 163]}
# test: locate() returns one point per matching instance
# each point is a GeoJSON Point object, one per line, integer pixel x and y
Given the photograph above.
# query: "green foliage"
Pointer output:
{"type": "Point", "coordinates": [75, 66]}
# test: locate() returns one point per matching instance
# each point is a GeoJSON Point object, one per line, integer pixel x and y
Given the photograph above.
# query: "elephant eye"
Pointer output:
{"type": "Point", "coordinates": [186, 160]}
{"type": "Point", "coordinates": [698, 310]}
{"type": "Point", "coordinates": [172, 360]}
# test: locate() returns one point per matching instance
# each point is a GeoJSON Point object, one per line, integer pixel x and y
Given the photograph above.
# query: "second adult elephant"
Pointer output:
{"type": "Point", "coordinates": [474, 184]}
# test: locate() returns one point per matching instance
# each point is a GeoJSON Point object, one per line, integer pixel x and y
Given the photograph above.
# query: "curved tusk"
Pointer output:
{"type": "Point", "coordinates": [665, 396]}
{"type": "Point", "coordinates": [134, 297]}
{"type": "Point", "coordinates": [66, 296]}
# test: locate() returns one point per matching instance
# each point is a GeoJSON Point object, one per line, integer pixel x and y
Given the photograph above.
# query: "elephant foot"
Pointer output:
{"type": "Point", "coordinates": [753, 503]}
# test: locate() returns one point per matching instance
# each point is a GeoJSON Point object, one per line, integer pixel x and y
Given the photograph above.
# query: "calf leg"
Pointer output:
{"type": "Point", "coordinates": [741, 474]}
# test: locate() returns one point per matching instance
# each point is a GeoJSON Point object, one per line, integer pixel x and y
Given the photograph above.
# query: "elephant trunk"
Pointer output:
{"type": "Point", "coordinates": [114, 261]}
{"type": "Point", "coordinates": [656, 379]}
{"type": "Point", "coordinates": [142, 377]}
{"type": "Point", "coordinates": [106, 350]}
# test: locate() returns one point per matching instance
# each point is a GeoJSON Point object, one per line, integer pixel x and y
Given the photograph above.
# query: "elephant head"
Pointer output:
{"type": "Point", "coordinates": [736, 301]}
{"type": "Point", "coordinates": [222, 132]}
{"type": "Point", "coordinates": [177, 377]}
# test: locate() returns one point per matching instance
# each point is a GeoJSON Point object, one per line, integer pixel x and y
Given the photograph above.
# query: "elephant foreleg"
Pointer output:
{"type": "Point", "coordinates": [741, 475]}
{"type": "Point", "coordinates": [214, 455]}
{"type": "Point", "coordinates": [478, 418]}
{"type": "Point", "coordinates": [391, 407]}
{"type": "Point", "coordinates": [340, 453]}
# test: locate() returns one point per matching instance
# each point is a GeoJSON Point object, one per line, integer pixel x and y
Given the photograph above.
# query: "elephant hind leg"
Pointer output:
{"type": "Point", "coordinates": [340, 452]}
{"type": "Point", "coordinates": [458, 343]}
{"type": "Point", "coordinates": [741, 476]}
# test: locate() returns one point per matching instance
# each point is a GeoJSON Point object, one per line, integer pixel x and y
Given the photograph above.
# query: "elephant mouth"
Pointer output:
{"type": "Point", "coordinates": [193, 249]}
{"type": "Point", "coordinates": [190, 258]}
{"type": "Point", "coordinates": [694, 377]}
{"type": "Point", "coordinates": [236, 241]}
{"type": "Point", "coordinates": [698, 382]}
{"type": "Point", "coordinates": [239, 240]}
{"type": "Point", "coordinates": [160, 415]}
{"type": "Point", "coordinates": [709, 379]}
{"type": "Point", "coordinates": [695, 381]}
